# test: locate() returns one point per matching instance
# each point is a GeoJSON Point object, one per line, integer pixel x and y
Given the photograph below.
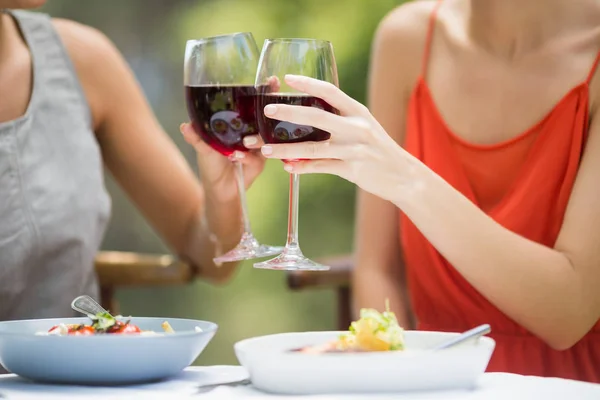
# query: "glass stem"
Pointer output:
{"type": "Point", "coordinates": [292, 235]}
{"type": "Point", "coordinates": [239, 169]}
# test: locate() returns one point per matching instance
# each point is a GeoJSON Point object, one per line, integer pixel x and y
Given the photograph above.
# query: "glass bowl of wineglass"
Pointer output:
{"type": "Point", "coordinates": [219, 75]}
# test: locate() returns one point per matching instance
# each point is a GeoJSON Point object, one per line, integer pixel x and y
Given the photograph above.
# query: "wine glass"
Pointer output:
{"type": "Point", "coordinates": [219, 74]}
{"type": "Point", "coordinates": [308, 57]}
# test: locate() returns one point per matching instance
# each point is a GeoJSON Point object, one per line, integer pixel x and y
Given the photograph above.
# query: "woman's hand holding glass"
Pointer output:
{"type": "Point", "coordinates": [219, 173]}
{"type": "Point", "coordinates": [359, 149]}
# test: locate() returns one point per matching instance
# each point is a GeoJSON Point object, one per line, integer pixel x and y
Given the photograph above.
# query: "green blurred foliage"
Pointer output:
{"type": "Point", "coordinates": [151, 34]}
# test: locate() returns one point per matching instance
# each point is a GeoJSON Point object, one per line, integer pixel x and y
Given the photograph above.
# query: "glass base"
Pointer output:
{"type": "Point", "coordinates": [292, 260]}
{"type": "Point", "coordinates": [249, 248]}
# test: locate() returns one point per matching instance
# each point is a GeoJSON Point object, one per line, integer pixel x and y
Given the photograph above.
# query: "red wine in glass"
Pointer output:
{"type": "Point", "coordinates": [275, 131]}
{"type": "Point", "coordinates": [223, 115]}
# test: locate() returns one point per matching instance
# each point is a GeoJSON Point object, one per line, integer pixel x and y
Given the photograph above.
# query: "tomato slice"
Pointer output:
{"type": "Point", "coordinates": [81, 330]}
{"type": "Point", "coordinates": [85, 331]}
{"type": "Point", "coordinates": [122, 328]}
{"type": "Point", "coordinates": [130, 329]}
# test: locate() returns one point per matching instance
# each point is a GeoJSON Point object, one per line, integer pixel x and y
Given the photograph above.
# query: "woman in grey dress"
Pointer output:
{"type": "Point", "coordinates": [69, 105]}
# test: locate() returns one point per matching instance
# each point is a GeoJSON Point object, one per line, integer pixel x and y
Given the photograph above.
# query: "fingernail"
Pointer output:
{"type": "Point", "coordinates": [288, 167]}
{"type": "Point", "coordinates": [250, 140]}
{"type": "Point", "coordinates": [239, 154]}
{"type": "Point", "coordinates": [270, 109]}
{"type": "Point", "coordinates": [291, 78]}
{"type": "Point", "coordinates": [266, 150]}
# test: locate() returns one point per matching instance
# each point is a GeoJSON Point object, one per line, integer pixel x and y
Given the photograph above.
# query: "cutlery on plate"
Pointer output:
{"type": "Point", "coordinates": [471, 334]}
{"type": "Point", "coordinates": [88, 306]}
{"type": "Point", "coordinates": [212, 386]}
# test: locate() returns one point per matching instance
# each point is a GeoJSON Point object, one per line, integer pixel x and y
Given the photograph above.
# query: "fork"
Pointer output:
{"type": "Point", "coordinates": [87, 306]}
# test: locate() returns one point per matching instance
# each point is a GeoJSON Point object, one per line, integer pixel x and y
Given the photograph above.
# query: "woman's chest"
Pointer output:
{"type": "Point", "coordinates": [51, 181]}
{"type": "Point", "coordinates": [485, 102]}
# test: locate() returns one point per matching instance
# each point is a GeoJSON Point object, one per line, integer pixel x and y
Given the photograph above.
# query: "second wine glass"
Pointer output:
{"type": "Point", "coordinates": [279, 57]}
{"type": "Point", "coordinates": [219, 77]}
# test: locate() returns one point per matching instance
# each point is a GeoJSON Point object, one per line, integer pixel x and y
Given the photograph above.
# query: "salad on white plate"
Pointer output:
{"type": "Point", "coordinates": [375, 355]}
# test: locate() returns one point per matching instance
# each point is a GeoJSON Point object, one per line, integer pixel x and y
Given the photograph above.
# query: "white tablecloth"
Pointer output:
{"type": "Point", "coordinates": [493, 386]}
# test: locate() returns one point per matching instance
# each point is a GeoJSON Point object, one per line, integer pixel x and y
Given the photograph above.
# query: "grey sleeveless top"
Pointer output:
{"type": "Point", "coordinates": [53, 203]}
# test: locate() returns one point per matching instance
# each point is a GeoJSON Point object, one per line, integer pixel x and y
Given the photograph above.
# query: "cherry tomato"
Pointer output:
{"type": "Point", "coordinates": [130, 329]}
{"type": "Point", "coordinates": [82, 330]}
{"type": "Point", "coordinates": [121, 328]}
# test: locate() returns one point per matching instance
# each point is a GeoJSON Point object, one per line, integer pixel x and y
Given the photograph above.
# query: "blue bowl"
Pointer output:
{"type": "Point", "coordinates": [101, 359]}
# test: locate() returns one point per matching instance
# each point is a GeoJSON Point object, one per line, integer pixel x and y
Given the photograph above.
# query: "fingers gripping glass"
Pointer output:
{"type": "Point", "coordinates": [219, 77]}
{"type": "Point", "coordinates": [308, 57]}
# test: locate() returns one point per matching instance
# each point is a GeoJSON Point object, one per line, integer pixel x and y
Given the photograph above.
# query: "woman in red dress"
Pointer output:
{"type": "Point", "coordinates": [485, 137]}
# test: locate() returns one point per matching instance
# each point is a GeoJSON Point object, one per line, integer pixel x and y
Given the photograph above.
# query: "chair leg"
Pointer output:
{"type": "Point", "coordinates": [108, 301]}
{"type": "Point", "coordinates": [344, 305]}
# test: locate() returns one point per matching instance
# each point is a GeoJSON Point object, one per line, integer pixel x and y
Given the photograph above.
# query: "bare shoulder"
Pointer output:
{"type": "Point", "coordinates": [97, 62]}
{"type": "Point", "coordinates": [409, 19]}
{"type": "Point", "coordinates": [401, 35]}
{"type": "Point", "coordinates": [405, 27]}
{"type": "Point", "coordinates": [82, 41]}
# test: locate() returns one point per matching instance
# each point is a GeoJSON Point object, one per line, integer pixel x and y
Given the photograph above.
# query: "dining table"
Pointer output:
{"type": "Point", "coordinates": [232, 382]}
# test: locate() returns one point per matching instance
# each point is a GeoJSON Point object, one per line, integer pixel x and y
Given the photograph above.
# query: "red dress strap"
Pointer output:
{"type": "Point", "coordinates": [429, 38]}
{"type": "Point", "coordinates": [593, 69]}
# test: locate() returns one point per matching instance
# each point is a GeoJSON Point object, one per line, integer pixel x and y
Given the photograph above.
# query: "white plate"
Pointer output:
{"type": "Point", "coordinates": [101, 359]}
{"type": "Point", "coordinates": [274, 369]}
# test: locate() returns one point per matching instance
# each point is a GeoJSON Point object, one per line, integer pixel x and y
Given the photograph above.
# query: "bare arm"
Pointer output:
{"type": "Point", "coordinates": [143, 159]}
{"type": "Point", "coordinates": [553, 292]}
{"type": "Point", "coordinates": [380, 272]}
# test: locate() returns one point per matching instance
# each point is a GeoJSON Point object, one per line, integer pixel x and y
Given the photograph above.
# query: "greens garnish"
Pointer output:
{"type": "Point", "coordinates": [374, 331]}
{"type": "Point", "coordinates": [103, 322]}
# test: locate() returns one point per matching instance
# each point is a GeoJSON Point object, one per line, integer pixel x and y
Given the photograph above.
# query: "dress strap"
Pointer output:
{"type": "Point", "coordinates": [429, 38]}
{"type": "Point", "coordinates": [593, 69]}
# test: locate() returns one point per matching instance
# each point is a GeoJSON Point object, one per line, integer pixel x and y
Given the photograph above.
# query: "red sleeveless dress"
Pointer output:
{"type": "Point", "coordinates": [529, 196]}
